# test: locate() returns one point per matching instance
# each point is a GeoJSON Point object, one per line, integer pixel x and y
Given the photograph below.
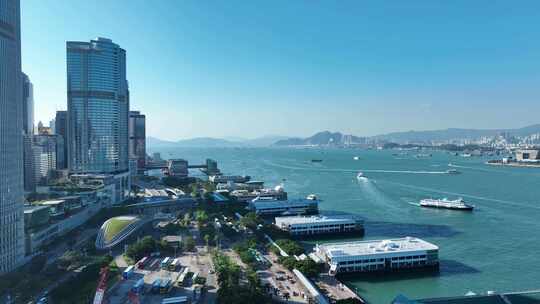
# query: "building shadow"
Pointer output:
{"type": "Point", "coordinates": [446, 268]}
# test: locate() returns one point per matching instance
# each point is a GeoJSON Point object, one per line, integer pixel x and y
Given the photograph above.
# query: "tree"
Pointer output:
{"type": "Point", "coordinates": [207, 239]}
{"type": "Point", "coordinates": [201, 217]}
{"type": "Point", "coordinates": [251, 220]}
{"type": "Point", "coordinates": [188, 243]}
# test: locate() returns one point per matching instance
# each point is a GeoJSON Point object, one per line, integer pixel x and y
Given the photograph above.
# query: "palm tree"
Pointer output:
{"type": "Point", "coordinates": [207, 239]}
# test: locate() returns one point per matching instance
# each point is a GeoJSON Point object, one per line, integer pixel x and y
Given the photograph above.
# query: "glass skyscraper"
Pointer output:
{"type": "Point", "coordinates": [98, 107]}
{"type": "Point", "coordinates": [11, 137]}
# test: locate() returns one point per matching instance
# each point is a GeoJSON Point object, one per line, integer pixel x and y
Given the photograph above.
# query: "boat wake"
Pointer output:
{"type": "Point", "coordinates": [351, 170]}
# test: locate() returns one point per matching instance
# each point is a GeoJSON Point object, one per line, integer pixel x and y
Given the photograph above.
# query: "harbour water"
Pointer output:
{"type": "Point", "coordinates": [495, 247]}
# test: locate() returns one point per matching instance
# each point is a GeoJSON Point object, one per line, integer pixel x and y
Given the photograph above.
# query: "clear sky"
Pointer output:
{"type": "Point", "coordinates": [253, 68]}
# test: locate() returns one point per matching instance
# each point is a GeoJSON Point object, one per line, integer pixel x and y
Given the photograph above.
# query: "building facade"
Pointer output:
{"type": "Point", "coordinates": [11, 139]}
{"type": "Point", "coordinates": [98, 107]}
{"type": "Point", "coordinates": [45, 156]}
{"type": "Point", "coordinates": [378, 255]}
{"type": "Point", "coordinates": [314, 225]}
{"type": "Point", "coordinates": [137, 139]}
{"type": "Point", "coordinates": [61, 130]}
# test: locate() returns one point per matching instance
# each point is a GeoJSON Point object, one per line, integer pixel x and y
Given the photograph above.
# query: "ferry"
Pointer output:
{"type": "Point", "coordinates": [445, 203]}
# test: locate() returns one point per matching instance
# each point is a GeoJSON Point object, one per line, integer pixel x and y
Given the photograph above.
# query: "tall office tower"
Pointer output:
{"type": "Point", "coordinates": [28, 133]}
{"type": "Point", "coordinates": [137, 139]}
{"type": "Point", "coordinates": [98, 106]}
{"type": "Point", "coordinates": [11, 139]}
{"type": "Point", "coordinates": [27, 105]}
{"type": "Point", "coordinates": [60, 129]}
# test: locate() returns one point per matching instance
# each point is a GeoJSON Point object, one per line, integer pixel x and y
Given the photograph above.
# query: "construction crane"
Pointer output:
{"type": "Point", "coordinates": [102, 285]}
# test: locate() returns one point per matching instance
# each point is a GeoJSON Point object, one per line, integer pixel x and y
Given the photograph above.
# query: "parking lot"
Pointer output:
{"type": "Point", "coordinates": [197, 263]}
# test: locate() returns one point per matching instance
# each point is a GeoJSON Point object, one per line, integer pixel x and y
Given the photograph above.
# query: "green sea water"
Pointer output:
{"type": "Point", "coordinates": [496, 247]}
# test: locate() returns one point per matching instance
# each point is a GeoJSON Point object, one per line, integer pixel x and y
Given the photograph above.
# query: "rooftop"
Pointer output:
{"type": "Point", "coordinates": [291, 220]}
{"type": "Point", "coordinates": [376, 247]}
{"type": "Point", "coordinates": [32, 209]}
{"type": "Point", "coordinates": [262, 202]}
{"type": "Point", "coordinates": [116, 225]}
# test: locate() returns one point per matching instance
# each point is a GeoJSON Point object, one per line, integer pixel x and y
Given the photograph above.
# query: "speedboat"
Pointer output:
{"type": "Point", "coordinates": [356, 158]}
{"type": "Point", "coordinates": [453, 171]}
{"type": "Point", "coordinates": [361, 176]}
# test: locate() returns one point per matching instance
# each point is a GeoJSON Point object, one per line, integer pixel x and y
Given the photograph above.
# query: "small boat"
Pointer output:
{"type": "Point", "coordinates": [453, 171]}
{"type": "Point", "coordinates": [312, 197]}
{"type": "Point", "coordinates": [316, 160]}
{"type": "Point", "coordinates": [361, 176]}
{"type": "Point", "coordinates": [356, 158]}
{"type": "Point", "coordinates": [458, 204]}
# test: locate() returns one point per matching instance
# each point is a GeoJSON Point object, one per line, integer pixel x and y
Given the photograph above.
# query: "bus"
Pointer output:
{"type": "Point", "coordinates": [165, 286]}
{"type": "Point", "coordinates": [156, 285]}
{"type": "Point", "coordinates": [142, 263]}
{"type": "Point", "coordinates": [174, 264]}
{"type": "Point", "coordinates": [182, 277]}
{"type": "Point", "coordinates": [176, 300]}
{"type": "Point", "coordinates": [165, 263]}
{"type": "Point", "coordinates": [138, 287]}
{"type": "Point", "coordinates": [128, 272]}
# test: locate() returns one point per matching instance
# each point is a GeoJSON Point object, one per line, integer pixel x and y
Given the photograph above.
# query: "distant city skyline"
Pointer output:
{"type": "Point", "coordinates": [237, 69]}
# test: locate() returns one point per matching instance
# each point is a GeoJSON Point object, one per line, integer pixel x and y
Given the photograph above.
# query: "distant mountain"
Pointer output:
{"type": "Point", "coordinates": [454, 133]}
{"type": "Point", "coordinates": [264, 141]}
{"type": "Point", "coordinates": [321, 138]}
{"type": "Point", "coordinates": [209, 142]}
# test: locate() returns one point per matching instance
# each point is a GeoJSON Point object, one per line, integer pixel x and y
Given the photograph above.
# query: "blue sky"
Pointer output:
{"type": "Point", "coordinates": [253, 68]}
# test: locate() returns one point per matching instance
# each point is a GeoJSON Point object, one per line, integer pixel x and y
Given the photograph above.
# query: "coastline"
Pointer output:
{"type": "Point", "coordinates": [512, 164]}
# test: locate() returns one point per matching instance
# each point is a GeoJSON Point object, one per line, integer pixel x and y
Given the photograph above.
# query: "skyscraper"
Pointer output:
{"type": "Point", "coordinates": [98, 106]}
{"type": "Point", "coordinates": [137, 139]}
{"type": "Point", "coordinates": [27, 105]}
{"type": "Point", "coordinates": [61, 130]}
{"type": "Point", "coordinates": [28, 133]}
{"type": "Point", "coordinates": [11, 131]}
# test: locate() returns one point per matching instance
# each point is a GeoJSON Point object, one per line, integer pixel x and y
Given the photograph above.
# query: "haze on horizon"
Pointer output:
{"type": "Point", "coordinates": [248, 69]}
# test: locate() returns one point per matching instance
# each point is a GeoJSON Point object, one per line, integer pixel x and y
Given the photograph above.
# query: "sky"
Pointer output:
{"type": "Point", "coordinates": [254, 68]}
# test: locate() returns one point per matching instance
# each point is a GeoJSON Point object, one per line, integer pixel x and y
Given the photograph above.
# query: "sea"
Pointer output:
{"type": "Point", "coordinates": [494, 248]}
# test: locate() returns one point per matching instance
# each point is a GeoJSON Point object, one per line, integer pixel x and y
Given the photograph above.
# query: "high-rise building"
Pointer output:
{"type": "Point", "coordinates": [11, 139]}
{"type": "Point", "coordinates": [27, 105]}
{"type": "Point", "coordinates": [61, 130]}
{"type": "Point", "coordinates": [98, 106]}
{"type": "Point", "coordinates": [137, 139]}
{"type": "Point", "coordinates": [44, 148]}
{"type": "Point", "coordinates": [28, 133]}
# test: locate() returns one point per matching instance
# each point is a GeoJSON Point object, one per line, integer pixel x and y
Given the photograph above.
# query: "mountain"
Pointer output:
{"type": "Point", "coordinates": [454, 133]}
{"type": "Point", "coordinates": [264, 141]}
{"type": "Point", "coordinates": [321, 138]}
{"type": "Point", "coordinates": [209, 142]}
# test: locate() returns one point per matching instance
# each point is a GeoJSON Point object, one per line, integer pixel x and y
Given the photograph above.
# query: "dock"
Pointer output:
{"type": "Point", "coordinates": [332, 288]}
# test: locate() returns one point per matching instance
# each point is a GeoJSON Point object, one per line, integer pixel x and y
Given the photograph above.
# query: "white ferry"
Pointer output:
{"type": "Point", "coordinates": [445, 203]}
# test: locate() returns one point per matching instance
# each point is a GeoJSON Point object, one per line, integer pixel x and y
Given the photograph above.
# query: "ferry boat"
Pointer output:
{"type": "Point", "coordinates": [458, 204]}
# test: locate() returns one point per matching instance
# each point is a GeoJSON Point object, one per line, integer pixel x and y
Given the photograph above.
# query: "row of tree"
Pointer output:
{"type": "Point", "coordinates": [230, 290]}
